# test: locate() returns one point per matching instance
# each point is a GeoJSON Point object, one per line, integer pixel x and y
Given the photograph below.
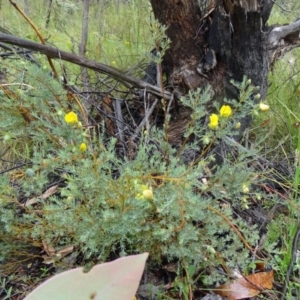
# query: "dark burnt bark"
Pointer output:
{"type": "Point", "coordinates": [182, 19]}
{"type": "Point", "coordinates": [233, 31]}
{"type": "Point", "coordinates": [240, 41]}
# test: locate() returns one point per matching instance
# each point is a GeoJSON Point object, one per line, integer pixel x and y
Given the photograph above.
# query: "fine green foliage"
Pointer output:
{"type": "Point", "coordinates": [153, 202]}
{"type": "Point", "coordinates": [106, 203]}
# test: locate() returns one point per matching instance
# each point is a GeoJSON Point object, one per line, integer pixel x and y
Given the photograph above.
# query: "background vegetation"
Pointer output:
{"type": "Point", "coordinates": [102, 210]}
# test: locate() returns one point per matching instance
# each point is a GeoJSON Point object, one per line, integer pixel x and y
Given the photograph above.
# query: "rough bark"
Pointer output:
{"type": "Point", "coordinates": [234, 31]}
{"type": "Point", "coordinates": [26, 7]}
{"type": "Point", "coordinates": [48, 5]}
{"type": "Point", "coordinates": [215, 43]}
{"type": "Point", "coordinates": [83, 42]}
{"type": "Point", "coordinates": [182, 19]}
{"type": "Point", "coordinates": [239, 38]}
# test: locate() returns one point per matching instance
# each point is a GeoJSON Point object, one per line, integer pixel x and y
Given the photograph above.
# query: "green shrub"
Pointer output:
{"type": "Point", "coordinates": [153, 202]}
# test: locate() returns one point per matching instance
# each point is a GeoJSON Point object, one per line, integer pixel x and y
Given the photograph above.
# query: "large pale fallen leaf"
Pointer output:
{"type": "Point", "coordinates": [247, 286]}
{"type": "Point", "coordinates": [117, 280]}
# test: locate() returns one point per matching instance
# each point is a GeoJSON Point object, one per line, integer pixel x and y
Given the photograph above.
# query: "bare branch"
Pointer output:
{"type": "Point", "coordinates": [281, 33]}
{"type": "Point", "coordinates": [52, 52]}
{"type": "Point", "coordinates": [281, 7]}
{"type": "Point", "coordinates": [82, 45]}
{"type": "Point", "coordinates": [85, 24]}
{"type": "Point", "coordinates": [283, 39]}
{"type": "Point", "coordinates": [144, 121]}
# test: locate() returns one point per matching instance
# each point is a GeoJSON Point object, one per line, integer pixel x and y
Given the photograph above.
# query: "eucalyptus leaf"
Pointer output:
{"type": "Point", "coordinates": [114, 281]}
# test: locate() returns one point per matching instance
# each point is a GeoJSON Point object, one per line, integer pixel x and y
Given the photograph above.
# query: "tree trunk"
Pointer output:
{"type": "Point", "coordinates": [26, 7]}
{"type": "Point", "coordinates": [214, 42]}
{"type": "Point", "coordinates": [48, 5]}
{"type": "Point", "coordinates": [83, 42]}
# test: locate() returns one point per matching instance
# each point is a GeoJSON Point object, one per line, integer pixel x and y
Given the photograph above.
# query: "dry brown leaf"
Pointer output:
{"type": "Point", "coordinates": [65, 251]}
{"type": "Point", "coordinates": [48, 249]}
{"type": "Point", "coordinates": [247, 286]}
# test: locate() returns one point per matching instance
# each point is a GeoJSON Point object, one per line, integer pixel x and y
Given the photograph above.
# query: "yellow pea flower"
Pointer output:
{"type": "Point", "coordinates": [225, 111]}
{"type": "Point", "coordinates": [213, 121]}
{"type": "Point", "coordinates": [71, 118]}
{"type": "Point", "coordinates": [83, 147]}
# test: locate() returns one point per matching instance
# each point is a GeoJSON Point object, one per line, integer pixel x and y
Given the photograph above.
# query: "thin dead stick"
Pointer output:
{"type": "Point", "coordinates": [82, 46]}
{"type": "Point", "coordinates": [38, 34]}
{"type": "Point", "coordinates": [144, 121]}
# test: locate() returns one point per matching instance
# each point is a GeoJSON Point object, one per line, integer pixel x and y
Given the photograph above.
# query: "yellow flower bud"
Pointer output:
{"type": "Point", "coordinates": [211, 250]}
{"type": "Point", "coordinates": [205, 140]}
{"type": "Point", "coordinates": [71, 118]}
{"type": "Point", "coordinates": [257, 96]}
{"type": "Point", "coordinates": [139, 196]}
{"type": "Point", "coordinates": [225, 111]}
{"type": "Point", "coordinates": [148, 194]}
{"type": "Point", "coordinates": [213, 121]}
{"type": "Point", "coordinates": [264, 107]}
{"type": "Point", "coordinates": [70, 198]}
{"type": "Point", "coordinates": [29, 173]}
{"type": "Point", "coordinates": [245, 188]}
{"type": "Point", "coordinates": [237, 125]}
{"type": "Point", "coordinates": [6, 137]}
{"type": "Point", "coordinates": [60, 112]}
{"type": "Point", "coordinates": [258, 196]}
{"type": "Point", "coordinates": [246, 206]}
